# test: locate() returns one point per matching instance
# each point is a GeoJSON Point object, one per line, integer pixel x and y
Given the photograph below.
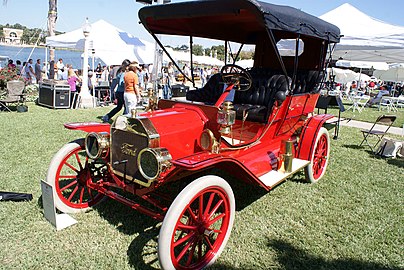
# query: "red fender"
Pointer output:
{"type": "Point", "coordinates": [308, 135]}
{"type": "Point", "coordinates": [89, 126]}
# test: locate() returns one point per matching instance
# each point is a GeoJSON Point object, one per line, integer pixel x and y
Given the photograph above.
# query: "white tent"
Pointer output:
{"type": "Point", "coordinates": [362, 64]}
{"type": "Point", "coordinates": [109, 43]}
{"type": "Point", "coordinates": [366, 38]}
{"type": "Point", "coordinates": [207, 60]}
{"type": "Point", "coordinates": [245, 63]}
{"type": "Point", "coordinates": [346, 75]}
{"type": "Point", "coordinates": [395, 73]}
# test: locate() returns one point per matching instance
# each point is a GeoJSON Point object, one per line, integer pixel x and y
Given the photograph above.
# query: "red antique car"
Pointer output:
{"type": "Point", "coordinates": [256, 125]}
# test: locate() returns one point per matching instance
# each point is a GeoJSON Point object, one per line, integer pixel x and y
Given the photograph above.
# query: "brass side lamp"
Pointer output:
{"type": "Point", "coordinates": [226, 117]}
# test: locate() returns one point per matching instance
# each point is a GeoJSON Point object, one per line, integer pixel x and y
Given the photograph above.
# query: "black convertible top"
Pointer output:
{"type": "Point", "coordinates": [221, 19]}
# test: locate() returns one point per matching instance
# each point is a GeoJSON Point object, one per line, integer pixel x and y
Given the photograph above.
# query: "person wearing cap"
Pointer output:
{"type": "Point", "coordinates": [132, 89]}
{"type": "Point", "coordinates": [119, 92]}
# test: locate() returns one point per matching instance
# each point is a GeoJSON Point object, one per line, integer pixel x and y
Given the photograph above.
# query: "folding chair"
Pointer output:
{"type": "Point", "coordinates": [378, 130]}
{"type": "Point", "coordinates": [15, 94]}
{"type": "Point", "coordinates": [361, 102]}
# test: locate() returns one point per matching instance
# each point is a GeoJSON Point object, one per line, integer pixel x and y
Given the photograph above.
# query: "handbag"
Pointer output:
{"type": "Point", "coordinates": [389, 148]}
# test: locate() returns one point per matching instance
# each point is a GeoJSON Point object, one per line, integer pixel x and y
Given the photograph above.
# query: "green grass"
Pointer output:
{"type": "Point", "coordinates": [351, 219]}
{"type": "Point", "coordinates": [369, 114]}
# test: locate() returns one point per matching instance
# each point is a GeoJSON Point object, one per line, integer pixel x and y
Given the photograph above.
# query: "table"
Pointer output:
{"type": "Point", "coordinates": [359, 102]}
{"type": "Point", "coordinates": [389, 102]}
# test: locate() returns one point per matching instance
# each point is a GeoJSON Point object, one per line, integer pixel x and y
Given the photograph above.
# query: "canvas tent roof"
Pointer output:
{"type": "Point", "coordinates": [110, 44]}
{"type": "Point", "coordinates": [364, 37]}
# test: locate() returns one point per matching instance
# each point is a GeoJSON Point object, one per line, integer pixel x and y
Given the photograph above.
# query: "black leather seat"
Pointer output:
{"type": "Point", "coordinates": [210, 93]}
{"type": "Point", "coordinates": [307, 81]}
{"type": "Point", "coordinates": [257, 102]}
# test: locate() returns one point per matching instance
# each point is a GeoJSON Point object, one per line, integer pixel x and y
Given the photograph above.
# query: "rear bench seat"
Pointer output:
{"type": "Point", "coordinates": [259, 99]}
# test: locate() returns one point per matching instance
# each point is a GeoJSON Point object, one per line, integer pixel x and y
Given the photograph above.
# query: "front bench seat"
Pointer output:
{"type": "Point", "coordinates": [260, 98]}
{"type": "Point", "coordinates": [210, 93]}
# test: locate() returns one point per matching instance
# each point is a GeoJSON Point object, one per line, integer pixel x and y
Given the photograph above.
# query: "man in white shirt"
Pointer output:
{"type": "Point", "coordinates": [60, 66]}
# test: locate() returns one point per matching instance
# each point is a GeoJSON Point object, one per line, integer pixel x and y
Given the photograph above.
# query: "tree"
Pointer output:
{"type": "Point", "coordinates": [218, 52]}
{"type": "Point", "coordinates": [197, 49]}
{"type": "Point", "coordinates": [182, 48]}
{"type": "Point", "coordinates": [52, 17]}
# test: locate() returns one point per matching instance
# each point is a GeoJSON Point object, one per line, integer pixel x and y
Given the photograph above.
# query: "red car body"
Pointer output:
{"type": "Point", "coordinates": [268, 132]}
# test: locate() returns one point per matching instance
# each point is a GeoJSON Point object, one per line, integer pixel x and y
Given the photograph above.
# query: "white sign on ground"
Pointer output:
{"type": "Point", "coordinates": [60, 221]}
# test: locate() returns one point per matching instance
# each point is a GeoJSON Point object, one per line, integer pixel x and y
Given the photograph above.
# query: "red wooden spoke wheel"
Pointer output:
{"type": "Point", "coordinates": [197, 225]}
{"type": "Point", "coordinates": [319, 157]}
{"type": "Point", "coordinates": [68, 174]}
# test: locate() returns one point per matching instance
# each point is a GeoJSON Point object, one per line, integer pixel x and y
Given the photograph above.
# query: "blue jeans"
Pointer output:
{"type": "Point", "coordinates": [166, 92]}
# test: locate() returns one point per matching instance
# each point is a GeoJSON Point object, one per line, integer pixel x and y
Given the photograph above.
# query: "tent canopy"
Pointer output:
{"type": "Point", "coordinates": [346, 76]}
{"type": "Point", "coordinates": [362, 64]}
{"type": "Point", "coordinates": [395, 73]}
{"type": "Point", "coordinates": [109, 43]}
{"type": "Point", "coordinates": [366, 38]}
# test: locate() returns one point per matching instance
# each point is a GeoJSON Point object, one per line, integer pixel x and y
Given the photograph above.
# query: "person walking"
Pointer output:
{"type": "Point", "coordinates": [38, 71]}
{"type": "Point", "coordinates": [119, 93]}
{"type": "Point", "coordinates": [132, 89]}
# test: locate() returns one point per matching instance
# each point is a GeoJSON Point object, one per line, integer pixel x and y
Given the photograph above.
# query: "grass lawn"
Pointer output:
{"type": "Point", "coordinates": [352, 219]}
{"type": "Point", "coordinates": [368, 114]}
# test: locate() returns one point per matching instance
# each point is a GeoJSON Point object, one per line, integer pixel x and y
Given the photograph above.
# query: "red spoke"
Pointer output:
{"type": "Point", "coordinates": [68, 186]}
{"type": "Point", "coordinates": [73, 192]}
{"type": "Point", "coordinates": [67, 176]}
{"type": "Point", "coordinates": [186, 227]}
{"type": "Point", "coordinates": [215, 209]}
{"type": "Point", "coordinates": [89, 193]}
{"type": "Point", "coordinates": [193, 216]}
{"type": "Point", "coordinates": [211, 197]}
{"type": "Point", "coordinates": [78, 160]}
{"type": "Point", "coordinates": [71, 166]}
{"type": "Point", "coordinates": [81, 195]}
{"type": "Point", "coordinates": [208, 242]}
{"type": "Point", "coordinates": [191, 254]}
{"type": "Point", "coordinates": [184, 250]}
{"type": "Point", "coordinates": [183, 239]}
{"type": "Point", "coordinates": [216, 218]}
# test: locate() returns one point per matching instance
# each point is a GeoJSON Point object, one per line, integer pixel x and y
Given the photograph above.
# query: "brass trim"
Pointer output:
{"type": "Point", "coordinates": [134, 180]}
{"type": "Point", "coordinates": [154, 136]}
{"type": "Point", "coordinates": [163, 159]}
{"type": "Point", "coordinates": [103, 142]}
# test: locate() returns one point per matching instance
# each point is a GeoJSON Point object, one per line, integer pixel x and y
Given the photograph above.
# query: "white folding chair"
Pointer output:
{"type": "Point", "coordinates": [361, 102]}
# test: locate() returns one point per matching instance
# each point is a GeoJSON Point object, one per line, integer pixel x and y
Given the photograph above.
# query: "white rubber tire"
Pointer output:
{"type": "Point", "coordinates": [310, 170]}
{"type": "Point", "coordinates": [51, 177]}
{"type": "Point", "coordinates": [178, 207]}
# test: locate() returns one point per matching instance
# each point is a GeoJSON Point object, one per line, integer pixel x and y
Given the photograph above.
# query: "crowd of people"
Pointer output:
{"type": "Point", "coordinates": [376, 89]}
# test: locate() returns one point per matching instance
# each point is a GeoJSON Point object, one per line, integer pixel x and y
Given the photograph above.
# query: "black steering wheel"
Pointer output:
{"type": "Point", "coordinates": [236, 75]}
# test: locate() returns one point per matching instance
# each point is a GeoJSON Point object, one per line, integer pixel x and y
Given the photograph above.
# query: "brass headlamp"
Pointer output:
{"type": "Point", "coordinates": [226, 117]}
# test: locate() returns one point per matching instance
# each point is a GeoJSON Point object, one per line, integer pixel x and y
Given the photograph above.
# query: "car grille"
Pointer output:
{"type": "Point", "coordinates": [126, 143]}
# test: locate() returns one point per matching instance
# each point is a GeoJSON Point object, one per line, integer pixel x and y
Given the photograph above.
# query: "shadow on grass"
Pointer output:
{"type": "Point", "coordinates": [396, 162]}
{"type": "Point", "coordinates": [290, 257]}
{"type": "Point", "coordinates": [142, 252]}
{"type": "Point", "coordinates": [124, 218]}
{"type": "Point", "coordinates": [355, 146]}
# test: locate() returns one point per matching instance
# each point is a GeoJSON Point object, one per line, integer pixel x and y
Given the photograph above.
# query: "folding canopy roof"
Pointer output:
{"type": "Point", "coordinates": [249, 18]}
{"type": "Point", "coordinates": [110, 44]}
{"type": "Point", "coordinates": [366, 38]}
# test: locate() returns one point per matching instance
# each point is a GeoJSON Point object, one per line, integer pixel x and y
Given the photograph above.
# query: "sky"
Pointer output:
{"type": "Point", "coordinates": [123, 13]}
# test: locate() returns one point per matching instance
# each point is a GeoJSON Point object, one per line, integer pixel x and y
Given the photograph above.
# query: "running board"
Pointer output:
{"type": "Point", "coordinates": [274, 178]}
